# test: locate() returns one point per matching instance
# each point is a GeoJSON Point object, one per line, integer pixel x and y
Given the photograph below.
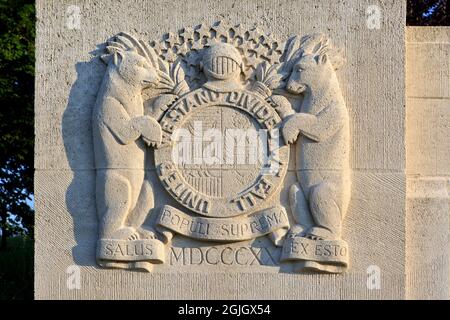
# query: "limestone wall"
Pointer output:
{"type": "Point", "coordinates": [428, 161]}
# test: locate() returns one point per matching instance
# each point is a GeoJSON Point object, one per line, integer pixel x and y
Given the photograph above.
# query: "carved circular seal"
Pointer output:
{"type": "Point", "coordinates": [220, 154]}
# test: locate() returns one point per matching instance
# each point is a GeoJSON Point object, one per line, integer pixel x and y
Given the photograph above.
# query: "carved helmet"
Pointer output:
{"type": "Point", "coordinates": [222, 61]}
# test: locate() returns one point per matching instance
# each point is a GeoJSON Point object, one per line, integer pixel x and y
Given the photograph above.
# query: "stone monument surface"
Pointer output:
{"type": "Point", "coordinates": [227, 150]}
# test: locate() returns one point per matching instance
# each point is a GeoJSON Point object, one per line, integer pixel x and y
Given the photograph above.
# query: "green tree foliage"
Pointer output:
{"type": "Point", "coordinates": [17, 32]}
{"type": "Point", "coordinates": [16, 270]}
{"type": "Point", "coordinates": [428, 13]}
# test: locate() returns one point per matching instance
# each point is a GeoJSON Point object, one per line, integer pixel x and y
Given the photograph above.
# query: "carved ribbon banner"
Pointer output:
{"type": "Point", "coordinates": [148, 250]}
{"type": "Point", "coordinates": [323, 255]}
{"type": "Point", "coordinates": [224, 229]}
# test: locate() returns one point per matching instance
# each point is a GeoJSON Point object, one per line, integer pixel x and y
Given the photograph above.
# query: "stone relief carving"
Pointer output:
{"type": "Point", "coordinates": [218, 106]}
{"type": "Point", "coordinates": [320, 199]}
{"type": "Point", "coordinates": [120, 128]}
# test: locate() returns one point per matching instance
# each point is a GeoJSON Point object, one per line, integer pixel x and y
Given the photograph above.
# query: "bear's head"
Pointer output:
{"type": "Point", "coordinates": [132, 60]}
{"type": "Point", "coordinates": [313, 65]}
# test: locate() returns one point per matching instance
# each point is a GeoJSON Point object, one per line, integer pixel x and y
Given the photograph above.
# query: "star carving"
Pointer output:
{"type": "Point", "coordinates": [222, 30]}
{"type": "Point", "coordinates": [211, 42]}
{"type": "Point", "coordinates": [252, 61]}
{"type": "Point", "coordinates": [203, 31]}
{"type": "Point", "coordinates": [172, 39]}
{"type": "Point", "coordinates": [268, 40]}
{"type": "Point", "coordinates": [254, 35]}
{"type": "Point", "coordinates": [271, 57]}
{"type": "Point", "coordinates": [278, 47]}
{"type": "Point", "coordinates": [260, 50]}
{"type": "Point", "coordinates": [187, 34]}
{"type": "Point", "coordinates": [183, 49]}
{"type": "Point", "coordinates": [186, 44]}
{"type": "Point", "coordinates": [245, 47]}
{"type": "Point", "coordinates": [159, 46]}
{"type": "Point", "coordinates": [239, 31]}
{"type": "Point", "coordinates": [236, 41]}
{"type": "Point", "coordinates": [197, 45]}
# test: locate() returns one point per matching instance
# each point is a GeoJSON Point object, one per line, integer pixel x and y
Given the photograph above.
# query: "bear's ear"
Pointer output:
{"type": "Point", "coordinates": [112, 58]}
{"type": "Point", "coordinates": [322, 58]}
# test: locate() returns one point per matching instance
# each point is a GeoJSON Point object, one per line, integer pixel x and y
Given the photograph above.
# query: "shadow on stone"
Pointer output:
{"type": "Point", "coordinates": [78, 144]}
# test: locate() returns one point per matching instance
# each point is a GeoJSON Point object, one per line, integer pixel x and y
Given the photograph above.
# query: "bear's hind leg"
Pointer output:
{"type": "Point", "coordinates": [113, 203]}
{"type": "Point", "coordinates": [144, 205]}
{"type": "Point", "coordinates": [325, 213]}
{"type": "Point", "coordinates": [300, 210]}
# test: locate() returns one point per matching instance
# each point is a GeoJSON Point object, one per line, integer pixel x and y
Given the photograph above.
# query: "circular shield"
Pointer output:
{"type": "Point", "coordinates": [221, 155]}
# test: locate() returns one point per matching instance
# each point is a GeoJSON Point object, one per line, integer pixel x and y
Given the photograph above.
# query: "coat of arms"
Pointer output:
{"type": "Point", "coordinates": [218, 106]}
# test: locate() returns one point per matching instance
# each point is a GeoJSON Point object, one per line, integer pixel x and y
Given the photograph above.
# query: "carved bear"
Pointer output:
{"type": "Point", "coordinates": [124, 196]}
{"type": "Point", "coordinates": [320, 200]}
